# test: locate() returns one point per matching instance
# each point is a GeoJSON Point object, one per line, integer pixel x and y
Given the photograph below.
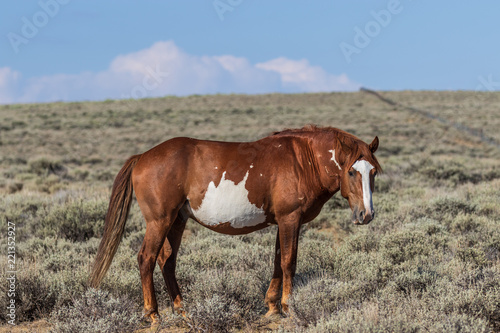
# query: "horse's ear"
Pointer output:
{"type": "Point", "coordinates": [374, 145]}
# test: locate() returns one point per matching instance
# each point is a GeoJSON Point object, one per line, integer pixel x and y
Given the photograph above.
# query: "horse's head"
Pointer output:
{"type": "Point", "coordinates": [357, 181]}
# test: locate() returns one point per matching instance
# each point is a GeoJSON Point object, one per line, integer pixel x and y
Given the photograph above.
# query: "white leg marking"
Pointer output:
{"type": "Point", "coordinates": [228, 202]}
{"type": "Point", "coordinates": [333, 158]}
{"type": "Point", "coordinates": [364, 167]}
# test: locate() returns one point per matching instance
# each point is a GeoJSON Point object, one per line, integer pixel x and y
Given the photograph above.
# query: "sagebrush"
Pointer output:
{"type": "Point", "coordinates": [430, 261]}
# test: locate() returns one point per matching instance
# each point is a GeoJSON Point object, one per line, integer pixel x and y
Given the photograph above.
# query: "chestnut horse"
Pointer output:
{"type": "Point", "coordinates": [236, 188]}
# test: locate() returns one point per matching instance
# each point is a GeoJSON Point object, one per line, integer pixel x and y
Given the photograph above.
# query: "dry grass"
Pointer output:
{"type": "Point", "coordinates": [429, 262]}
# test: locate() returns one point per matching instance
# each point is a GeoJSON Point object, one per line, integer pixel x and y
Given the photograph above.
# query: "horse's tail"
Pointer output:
{"type": "Point", "coordinates": [119, 205]}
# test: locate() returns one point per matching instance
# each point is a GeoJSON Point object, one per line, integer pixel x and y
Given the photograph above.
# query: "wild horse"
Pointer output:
{"type": "Point", "coordinates": [236, 188]}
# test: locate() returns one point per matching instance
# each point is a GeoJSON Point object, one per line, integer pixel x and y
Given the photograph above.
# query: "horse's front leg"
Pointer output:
{"type": "Point", "coordinates": [289, 227]}
{"type": "Point", "coordinates": [273, 293]}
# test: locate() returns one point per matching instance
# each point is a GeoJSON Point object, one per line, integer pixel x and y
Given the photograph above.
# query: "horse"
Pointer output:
{"type": "Point", "coordinates": [236, 188]}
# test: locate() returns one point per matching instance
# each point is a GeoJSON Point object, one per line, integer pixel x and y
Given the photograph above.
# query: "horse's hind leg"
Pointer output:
{"type": "Point", "coordinates": [273, 293]}
{"type": "Point", "coordinates": [167, 260]}
{"type": "Point", "coordinates": [156, 231]}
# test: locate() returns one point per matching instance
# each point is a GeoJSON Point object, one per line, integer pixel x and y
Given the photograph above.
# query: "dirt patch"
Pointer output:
{"type": "Point", "coordinates": [39, 326]}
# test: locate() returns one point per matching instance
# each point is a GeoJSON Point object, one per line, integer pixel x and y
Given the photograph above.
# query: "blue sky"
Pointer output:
{"type": "Point", "coordinates": [70, 50]}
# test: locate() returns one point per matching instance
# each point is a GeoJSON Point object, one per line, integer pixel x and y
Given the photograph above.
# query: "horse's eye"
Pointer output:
{"type": "Point", "coordinates": [351, 173]}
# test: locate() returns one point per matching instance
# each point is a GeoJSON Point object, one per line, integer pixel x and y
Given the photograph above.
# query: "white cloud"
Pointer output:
{"type": "Point", "coordinates": [300, 75]}
{"type": "Point", "coordinates": [164, 69]}
{"type": "Point", "coordinates": [9, 81]}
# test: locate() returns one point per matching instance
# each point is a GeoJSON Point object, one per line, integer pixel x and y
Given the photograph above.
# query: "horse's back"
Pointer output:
{"type": "Point", "coordinates": [225, 186]}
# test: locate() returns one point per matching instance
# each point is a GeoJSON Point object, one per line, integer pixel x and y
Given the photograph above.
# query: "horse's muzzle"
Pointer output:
{"type": "Point", "coordinates": [361, 217]}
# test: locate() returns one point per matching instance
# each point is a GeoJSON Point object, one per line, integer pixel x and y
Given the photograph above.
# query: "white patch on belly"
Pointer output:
{"type": "Point", "coordinates": [333, 158]}
{"type": "Point", "coordinates": [228, 202]}
{"type": "Point", "coordinates": [364, 167]}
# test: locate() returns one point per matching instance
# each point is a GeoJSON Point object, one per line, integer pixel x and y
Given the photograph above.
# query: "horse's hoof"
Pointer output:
{"type": "Point", "coordinates": [151, 320]}
{"type": "Point", "coordinates": [183, 314]}
{"type": "Point", "coordinates": [156, 319]}
{"type": "Point", "coordinates": [271, 321]}
{"type": "Point", "coordinates": [145, 322]}
{"type": "Point", "coordinates": [273, 314]}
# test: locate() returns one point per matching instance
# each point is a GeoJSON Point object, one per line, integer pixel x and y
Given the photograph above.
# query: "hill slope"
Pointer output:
{"type": "Point", "coordinates": [430, 261]}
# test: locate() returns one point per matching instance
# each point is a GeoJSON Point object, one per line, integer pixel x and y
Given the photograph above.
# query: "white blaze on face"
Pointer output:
{"type": "Point", "coordinates": [364, 167]}
{"type": "Point", "coordinates": [228, 202]}
{"type": "Point", "coordinates": [333, 158]}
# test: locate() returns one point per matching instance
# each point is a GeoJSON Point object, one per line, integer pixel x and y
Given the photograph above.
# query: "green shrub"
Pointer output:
{"type": "Point", "coordinates": [472, 255]}
{"type": "Point", "coordinates": [475, 293]}
{"type": "Point", "coordinates": [76, 221]}
{"type": "Point", "coordinates": [383, 184]}
{"type": "Point", "coordinates": [373, 268]}
{"type": "Point", "coordinates": [323, 296]}
{"type": "Point", "coordinates": [371, 319]}
{"type": "Point", "coordinates": [54, 255]}
{"type": "Point", "coordinates": [209, 250]}
{"type": "Point", "coordinates": [315, 253]}
{"type": "Point", "coordinates": [46, 167]}
{"type": "Point", "coordinates": [362, 242]}
{"type": "Point", "coordinates": [451, 207]}
{"type": "Point", "coordinates": [464, 223]}
{"type": "Point", "coordinates": [405, 245]}
{"type": "Point", "coordinates": [214, 314]}
{"type": "Point", "coordinates": [96, 311]}
{"type": "Point", "coordinates": [245, 290]}
{"type": "Point", "coordinates": [123, 278]}
{"type": "Point", "coordinates": [24, 211]}
{"type": "Point", "coordinates": [415, 280]}
{"type": "Point", "coordinates": [491, 246]}
{"type": "Point", "coordinates": [461, 323]}
{"type": "Point", "coordinates": [34, 297]}
{"type": "Point", "coordinates": [453, 172]}
{"type": "Point", "coordinates": [14, 187]}
{"type": "Point", "coordinates": [385, 202]}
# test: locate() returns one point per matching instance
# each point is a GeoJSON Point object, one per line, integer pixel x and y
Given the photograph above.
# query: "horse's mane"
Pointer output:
{"type": "Point", "coordinates": [359, 148]}
{"type": "Point", "coordinates": [315, 129]}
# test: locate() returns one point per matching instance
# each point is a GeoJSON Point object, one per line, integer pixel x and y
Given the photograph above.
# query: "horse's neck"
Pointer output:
{"type": "Point", "coordinates": [328, 166]}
